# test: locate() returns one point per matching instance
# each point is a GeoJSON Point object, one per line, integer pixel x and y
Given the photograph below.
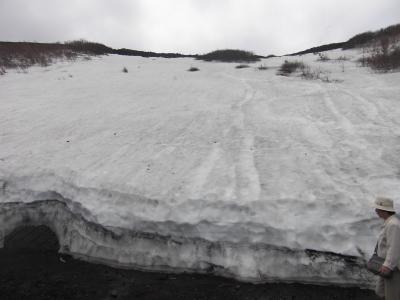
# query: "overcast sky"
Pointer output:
{"type": "Point", "coordinates": [196, 26]}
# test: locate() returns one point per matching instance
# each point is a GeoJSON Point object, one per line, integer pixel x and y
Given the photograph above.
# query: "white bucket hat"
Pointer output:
{"type": "Point", "coordinates": [385, 204]}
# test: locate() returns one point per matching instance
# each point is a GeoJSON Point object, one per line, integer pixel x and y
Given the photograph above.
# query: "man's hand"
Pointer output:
{"type": "Point", "coordinates": [385, 270]}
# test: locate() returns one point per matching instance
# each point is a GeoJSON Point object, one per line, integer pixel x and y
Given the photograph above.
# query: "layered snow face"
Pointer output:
{"type": "Point", "coordinates": [150, 251]}
{"type": "Point", "coordinates": [225, 156]}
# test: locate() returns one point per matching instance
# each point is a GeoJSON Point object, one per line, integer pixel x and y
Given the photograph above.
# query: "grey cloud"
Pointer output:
{"type": "Point", "coordinates": [58, 20]}
{"type": "Point", "coordinates": [196, 26]}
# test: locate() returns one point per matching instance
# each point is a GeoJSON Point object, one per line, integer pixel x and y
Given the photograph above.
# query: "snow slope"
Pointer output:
{"type": "Point", "coordinates": [242, 160]}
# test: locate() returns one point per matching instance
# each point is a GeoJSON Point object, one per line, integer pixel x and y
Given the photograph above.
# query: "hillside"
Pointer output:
{"type": "Point", "coordinates": [26, 54]}
{"type": "Point", "coordinates": [389, 34]}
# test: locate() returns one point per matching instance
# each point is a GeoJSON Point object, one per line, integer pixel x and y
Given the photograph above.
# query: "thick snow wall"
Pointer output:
{"type": "Point", "coordinates": [126, 248]}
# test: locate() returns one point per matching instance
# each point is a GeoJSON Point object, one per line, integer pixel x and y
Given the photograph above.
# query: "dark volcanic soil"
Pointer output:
{"type": "Point", "coordinates": [42, 275]}
{"type": "Point", "coordinates": [31, 268]}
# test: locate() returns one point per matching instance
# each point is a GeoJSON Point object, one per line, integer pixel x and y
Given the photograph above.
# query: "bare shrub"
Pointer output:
{"type": "Point", "coordinates": [307, 73]}
{"type": "Point", "coordinates": [43, 60]}
{"type": "Point", "coordinates": [69, 54]}
{"type": "Point", "coordinates": [262, 67]}
{"type": "Point", "coordinates": [289, 67]}
{"type": "Point", "coordinates": [383, 62]}
{"type": "Point", "coordinates": [315, 74]}
{"type": "Point", "coordinates": [125, 70]}
{"type": "Point", "coordinates": [323, 57]}
{"type": "Point", "coordinates": [342, 58]}
{"type": "Point", "coordinates": [382, 56]}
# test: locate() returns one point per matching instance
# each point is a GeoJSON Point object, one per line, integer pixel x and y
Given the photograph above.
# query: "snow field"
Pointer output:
{"type": "Point", "coordinates": [224, 155]}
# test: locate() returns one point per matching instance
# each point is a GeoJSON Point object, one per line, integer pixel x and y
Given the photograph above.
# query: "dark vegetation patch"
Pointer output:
{"type": "Point", "coordinates": [358, 41]}
{"type": "Point", "coordinates": [125, 70]}
{"type": "Point", "coordinates": [193, 69]}
{"type": "Point", "coordinates": [383, 61]}
{"type": "Point", "coordinates": [230, 55]}
{"type": "Point", "coordinates": [86, 47]}
{"type": "Point", "coordinates": [129, 52]}
{"type": "Point", "coordinates": [381, 48]}
{"type": "Point", "coordinates": [289, 67]}
{"type": "Point", "coordinates": [365, 38]}
{"type": "Point", "coordinates": [25, 54]}
{"type": "Point", "coordinates": [304, 71]}
{"type": "Point", "coordinates": [322, 48]}
{"type": "Point", "coordinates": [242, 66]}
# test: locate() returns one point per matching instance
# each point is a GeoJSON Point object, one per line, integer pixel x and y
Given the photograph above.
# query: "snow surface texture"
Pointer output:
{"type": "Point", "coordinates": [234, 158]}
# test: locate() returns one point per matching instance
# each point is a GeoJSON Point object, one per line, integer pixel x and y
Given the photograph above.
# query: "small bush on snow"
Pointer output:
{"type": "Point", "coordinates": [323, 57]}
{"type": "Point", "coordinates": [289, 67]}
{"type": "Point", "coordinates": [342, 58]}
{"type": "Point", "coordinates": [242, 66]}
{"type": "Point", "coordinates": [318, 74]}
{"type": "Point", "coordinates": [125, 70]}
{"type": "Point", "coordinates": [193, 69]}
{"type": "Point", "coordinates": [383, 62]}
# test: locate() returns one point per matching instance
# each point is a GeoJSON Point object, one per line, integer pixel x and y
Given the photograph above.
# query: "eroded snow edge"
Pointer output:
{"type": "Point", "coordinates": [149, 251]}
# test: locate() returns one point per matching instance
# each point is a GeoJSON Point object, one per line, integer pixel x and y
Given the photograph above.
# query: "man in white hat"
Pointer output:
{"type": "Point", "coordinates": [389, 249]}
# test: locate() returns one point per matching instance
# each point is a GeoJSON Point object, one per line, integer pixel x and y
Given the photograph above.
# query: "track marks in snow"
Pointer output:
{"type": "Point", "coordinates": [246, 172]}
{"type": "Point", "coordinates": [233, 154]}
{"type": "Point", "coordinates": [341, 119]}
{"type": "Point", "coordinates": [248, 181]}
{"type": "Point", "coordinates": [203, 172]}
{"type": "Point", "coordinates": [247, 176]}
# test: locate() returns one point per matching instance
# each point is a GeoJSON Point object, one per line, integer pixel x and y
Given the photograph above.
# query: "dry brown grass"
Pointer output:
{"type": "Point", "coordinates": [289, 67]}
{"type": "Point", "coordinates": [383, 62]}
{"type": "Point", "coordinates": [22, 55]}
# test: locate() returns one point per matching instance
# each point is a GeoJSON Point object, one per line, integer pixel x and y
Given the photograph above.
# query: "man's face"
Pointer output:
{"type": "Point", "coordinates": [380, 213]}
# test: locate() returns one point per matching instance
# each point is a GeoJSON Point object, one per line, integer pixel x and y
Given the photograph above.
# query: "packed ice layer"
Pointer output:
{"type": "Point", "coordinates": [222, 155]}
{"type": "Point", "coordinates": [151, 251]}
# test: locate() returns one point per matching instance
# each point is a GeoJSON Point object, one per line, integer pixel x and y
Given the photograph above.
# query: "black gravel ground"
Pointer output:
{"type": "Point", "coordinates": [41, 273]}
